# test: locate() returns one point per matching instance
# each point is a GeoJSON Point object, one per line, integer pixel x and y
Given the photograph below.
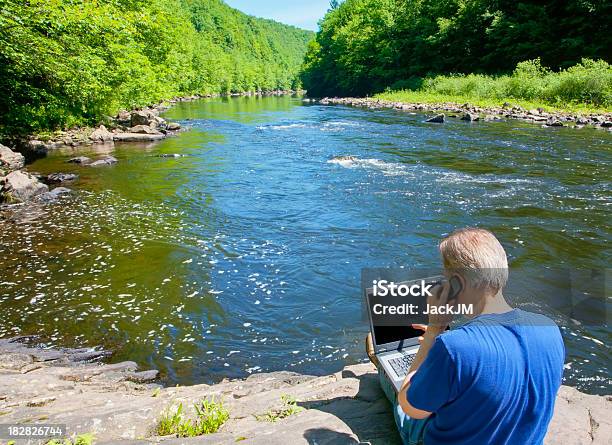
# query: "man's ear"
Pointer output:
{"type": "Point", "coordinates": [462, 281]}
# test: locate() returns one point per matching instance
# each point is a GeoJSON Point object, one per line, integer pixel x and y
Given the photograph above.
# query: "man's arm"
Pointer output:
{"type": "Point", "coordinates": [437, 325]}
{"type": "Point", "coordinates": [428, 339]}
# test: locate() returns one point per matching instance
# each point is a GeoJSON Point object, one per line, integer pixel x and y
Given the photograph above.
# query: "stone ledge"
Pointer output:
{"type": "Point", "coordinates": [116, 404]}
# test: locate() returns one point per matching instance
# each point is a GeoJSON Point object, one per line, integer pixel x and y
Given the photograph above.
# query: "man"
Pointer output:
{"type": "Point", "coordinates": [493, 380]}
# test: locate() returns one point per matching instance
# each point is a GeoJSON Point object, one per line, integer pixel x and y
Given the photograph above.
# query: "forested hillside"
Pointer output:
{"type": "Point", "coordinates": [66, 62]}
{"type": "Point", "coordinates": [364, 46]}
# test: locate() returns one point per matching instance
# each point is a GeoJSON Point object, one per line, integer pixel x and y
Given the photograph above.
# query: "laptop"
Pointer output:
{"type": "Point", "coordinates": [396, 344]}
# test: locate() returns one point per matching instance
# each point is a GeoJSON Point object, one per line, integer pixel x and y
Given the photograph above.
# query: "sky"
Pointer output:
{"type": "Point", "coordinates": [301, 13]}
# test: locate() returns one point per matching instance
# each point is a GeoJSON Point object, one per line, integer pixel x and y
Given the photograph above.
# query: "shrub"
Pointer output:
{"type": "Point", "coordinates": [289, 408]}
{"type": "Point", "coordinates": [210, 415]}
{"type": "Point", "coordinates": [81, 439]}
{"type": "Point", "coordinates": [587, 83]}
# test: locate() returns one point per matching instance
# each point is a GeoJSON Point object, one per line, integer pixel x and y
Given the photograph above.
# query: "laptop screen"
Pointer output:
{"type": "Point", "coordinates": [395, 328]}
{"type": "Point", "coordinates": [390, 334]}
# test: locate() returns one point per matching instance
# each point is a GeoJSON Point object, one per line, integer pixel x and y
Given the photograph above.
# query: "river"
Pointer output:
{"type": "Point", "coordinates": [245, 255]}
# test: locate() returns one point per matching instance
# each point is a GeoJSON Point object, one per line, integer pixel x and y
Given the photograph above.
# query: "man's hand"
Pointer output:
{"type": "Point", "coordinates": [433, 331]}
{"type": "Point", "coordinates": [439, 319]}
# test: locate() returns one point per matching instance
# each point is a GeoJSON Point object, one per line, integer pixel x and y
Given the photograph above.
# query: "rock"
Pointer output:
{"type": "Point", "coordinates": [142, 376]}
{"type": "Point", "coordinates": [61, 177]}
{"type": "Point", "coordinates": [158, 122]}
{"type": "Point", "coordinates": [106, 160]}
{"type": "Point", "coordinates": [137, 137]}
{"type": "Point", "coordinates": [124, 115]}
{"type": "Point", "coordinates": [101, 134]}
{"type": "Point", "coordinates": [173, 126]}
{"type": "Point", "coordinates": [37, 146]}
{"type": "Point", "coordinates": [171, 155]}
{"type": "Point", "coordinates": [580, 419]}
{"type": "Point", "coordinates": [538, 118]}
{"type": "Point", "coordinates": [582, 120]}
{"type": "Point", "coordinates": [470, 117]}
{"type": "Point", "coordinates": [140, 118]}
{"type": "Point", "coordinates": [143, 129]}
{"type": "Point", "coordinates": [554, 122]}
{"type": "Point", "coordinates": [15, 360]}
{"type": "Point", "coordinates": [344, 161]}
{"type": "Point", "coordinates": [41, 401]}
{"type": "Point", "coordinates": [52, 196]}
{"type": "Point", "coordinates": [606, 124]}
{"type": "Point", "coordinates": [438, 118]}
{"type": "Point", "coordinates": [20, 186]}
{"type": "Point", "coordinates": [10, 159]}
{"type": "Point", "coordinates": [89, 355]}
{"type": "Point", "coordinates": [80, 160]}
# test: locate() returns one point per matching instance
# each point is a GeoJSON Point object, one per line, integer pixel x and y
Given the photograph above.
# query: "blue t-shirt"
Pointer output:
{"type": "Point", "coordinates": [492, 381]}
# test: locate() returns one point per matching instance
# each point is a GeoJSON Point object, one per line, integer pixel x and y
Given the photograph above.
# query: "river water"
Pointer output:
{"type": "Point", "coordinates": [245, 255]}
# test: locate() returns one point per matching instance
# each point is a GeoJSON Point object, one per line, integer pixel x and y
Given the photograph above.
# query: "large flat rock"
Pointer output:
{"type": "Point", "coordinates": [345, 408]}
{"type": "Point", "coordinates": [137, 137]}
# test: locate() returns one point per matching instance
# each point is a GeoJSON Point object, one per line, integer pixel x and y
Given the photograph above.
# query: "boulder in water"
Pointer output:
{"type": "Point", "coordinates": [344, 161]}
{"type": "Point", "coordinates": [106, 160]}
{"type": "Point", "coordinates": [53, 195]}
{"type": "Point", "coordinates": [84, 160]}
{"type": "Point", "coordinates": [173, 126]}
{"type": "Point", "coordinates": [21, 186]}
{"type": "Point", "coordinates": [470, 117]}
{"type": "Point", "coordinates": [171, 155]}
{"type": "Point", "coordinates": [438, 119]}
{"type": "Point", "coordinates": [554, 122]}
{"type": "Point", "coordinates": [61, 177]}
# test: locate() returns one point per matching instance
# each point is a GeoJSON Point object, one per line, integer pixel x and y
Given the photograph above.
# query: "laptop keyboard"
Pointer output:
{"type": "Point", "coordinates": [401, 365]}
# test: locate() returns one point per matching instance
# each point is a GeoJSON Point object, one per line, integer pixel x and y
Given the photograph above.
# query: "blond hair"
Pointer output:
{"type": "Point", "coordinates": [477, 255]}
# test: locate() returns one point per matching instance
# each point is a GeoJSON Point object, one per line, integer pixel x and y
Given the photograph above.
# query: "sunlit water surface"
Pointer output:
{"type": "Point", "coordinates": [245, 255]}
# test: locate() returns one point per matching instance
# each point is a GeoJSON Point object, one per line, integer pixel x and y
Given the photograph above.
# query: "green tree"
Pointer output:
{"type": "Point", "coordinates": [71, 62]}
{"type": "Point", "coordinates": [364, 46]}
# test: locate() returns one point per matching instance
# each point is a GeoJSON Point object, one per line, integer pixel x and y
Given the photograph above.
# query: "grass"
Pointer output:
{"type": "Point", "coordinates": [81, 439]}
{"type": "Point", "coordinates": [289, 408]}
{"type": "Point", "coordinates": [210, 415]}
{"type": "Point", "coordinates": [583, 88]}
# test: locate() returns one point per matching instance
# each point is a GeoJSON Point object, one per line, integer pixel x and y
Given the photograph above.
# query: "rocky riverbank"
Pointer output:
{"type": "Point", "coordinates": [19, 186]}
{"type": "Point", "coordinates": [473, 113]}
{"type": "Point", "coordinates": [138, 125]}
{"type": "Point", "coordinates": [119, 404]}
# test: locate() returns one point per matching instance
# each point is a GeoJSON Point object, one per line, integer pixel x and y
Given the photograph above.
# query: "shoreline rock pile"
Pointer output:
{"type": "Point", "coordinates": [472, 113]}
{"type": "Point", "coordinates": [17, 185]}
{"type": "Point", "coordinates": [119, 404]}
{"type": "Point", "coordinates": [142, 125]}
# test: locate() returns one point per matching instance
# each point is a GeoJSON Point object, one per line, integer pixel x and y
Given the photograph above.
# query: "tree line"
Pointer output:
{"type": "Point", "coordinates": [71, 62]}
{"type": "Point", "coordinates": [365, 46]}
